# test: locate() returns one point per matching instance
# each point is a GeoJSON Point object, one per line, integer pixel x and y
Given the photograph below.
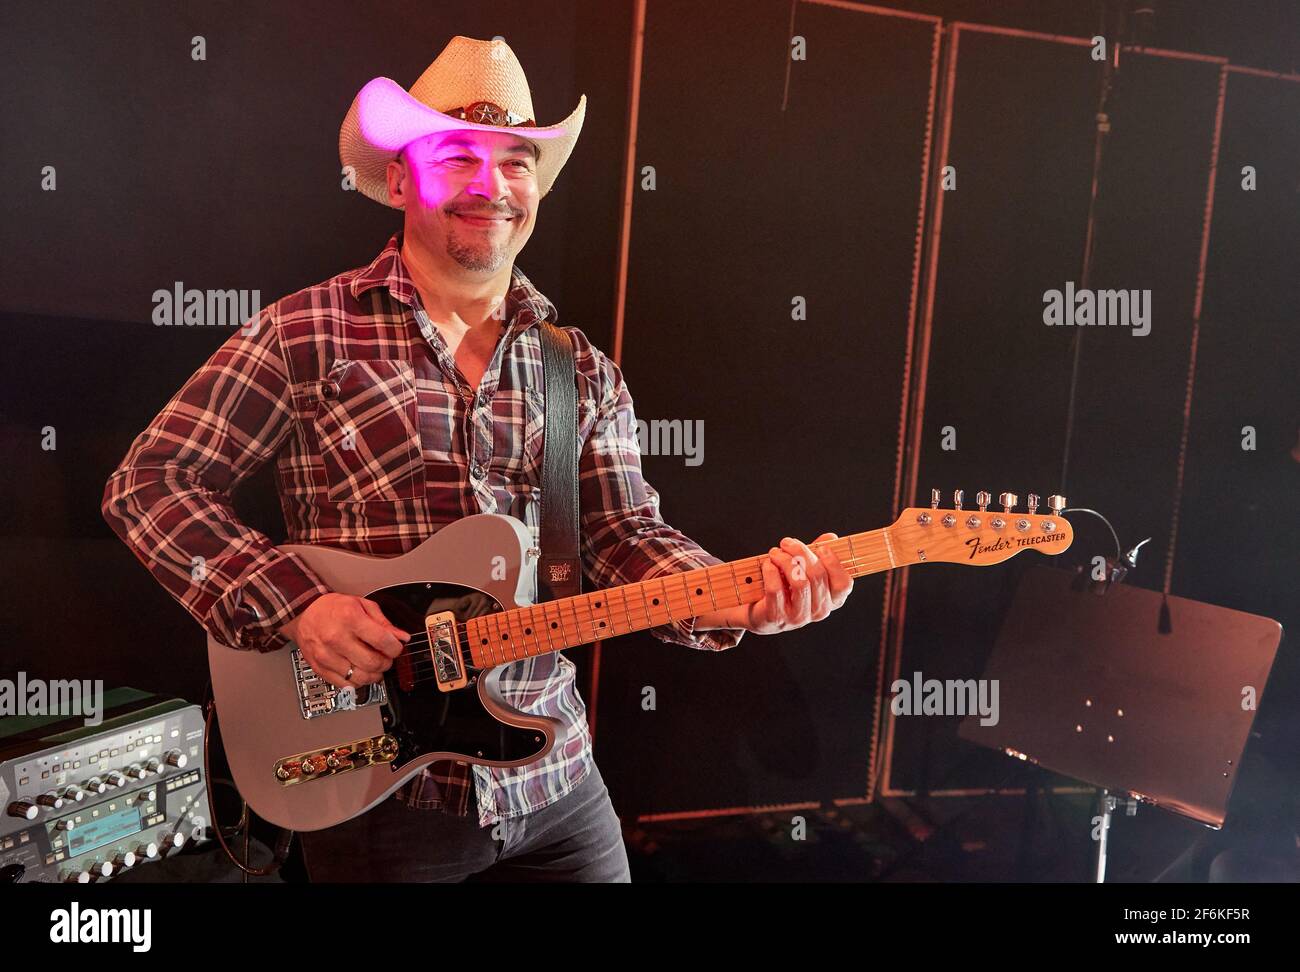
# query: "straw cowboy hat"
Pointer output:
{"type": "Point", "coordinates": [473, 84]}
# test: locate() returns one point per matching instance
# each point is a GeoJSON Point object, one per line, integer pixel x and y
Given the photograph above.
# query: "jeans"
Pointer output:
{"type": "Point", "coordinates": [575, 839]}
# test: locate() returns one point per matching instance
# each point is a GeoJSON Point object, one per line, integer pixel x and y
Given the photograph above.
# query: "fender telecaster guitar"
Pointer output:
{"type": "Point", "coordinates": [306, 755]}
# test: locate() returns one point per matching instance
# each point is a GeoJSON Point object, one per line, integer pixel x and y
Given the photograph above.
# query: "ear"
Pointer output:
{"type": "Point", "coordinates": [398, 183]}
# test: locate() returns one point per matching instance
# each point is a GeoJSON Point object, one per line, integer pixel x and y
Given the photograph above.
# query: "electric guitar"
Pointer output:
{"type": "Point", "coordinates": [306, 755]}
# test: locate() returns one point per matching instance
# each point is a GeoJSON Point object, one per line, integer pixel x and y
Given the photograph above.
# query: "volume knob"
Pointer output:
{"type": "Point", "coordinates": [100, 869]}
{"type": "Point", "coordinates": [173, 841]}
{"type": "Point", "coordinates": [124, 859]}
{"type": "Point", "coordinates": [147, 851]}
{"type": "Point", "coordinates": [24, 809]}
{"type": "Point", "coordinates": [177, 758]}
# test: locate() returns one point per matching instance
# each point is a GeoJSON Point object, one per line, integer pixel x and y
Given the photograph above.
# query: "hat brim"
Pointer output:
{"type": "Point", "coordinates": [384, 118]}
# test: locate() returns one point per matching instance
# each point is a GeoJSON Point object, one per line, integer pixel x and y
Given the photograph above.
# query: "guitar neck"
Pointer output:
{"type": "Point", "coordinates": [496, 639]}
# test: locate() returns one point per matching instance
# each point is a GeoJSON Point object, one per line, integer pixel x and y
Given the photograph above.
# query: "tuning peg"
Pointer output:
{"type": "Point", "coordinates": [934, 499]}
{"type": "Point", "coordinates": [1008, 501]}
{"type": "Point", "coordinates": [1056, 503]}
{"type": "Point", "coordinates": [982, 500]}
{"type": "Point", "coordinates": [957, 494]}
{"type": "Point", "coordinates": [1033, 503]}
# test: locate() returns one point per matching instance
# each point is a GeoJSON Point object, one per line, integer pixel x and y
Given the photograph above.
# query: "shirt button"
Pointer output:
{"type": "Point", "coordinates": [476, 469]}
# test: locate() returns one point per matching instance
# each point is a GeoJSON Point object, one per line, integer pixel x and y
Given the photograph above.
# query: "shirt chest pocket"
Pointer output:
{"type": "Point", "coordinates": [367, 425]}
{"type": "Point", "coordinates": [518, 436]}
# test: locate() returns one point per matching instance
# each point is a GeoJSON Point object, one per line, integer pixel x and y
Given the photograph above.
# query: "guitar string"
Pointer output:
{"type": "Point", "coordinates": [737, 570]}
{"type": "Point", "coordinates": [506, 652]}
{"type": "Point", "coordinates": [422, 661]}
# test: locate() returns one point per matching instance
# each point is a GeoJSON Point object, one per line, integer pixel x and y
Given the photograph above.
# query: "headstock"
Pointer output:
{"type": "Point", "coordinates": [981, 536]}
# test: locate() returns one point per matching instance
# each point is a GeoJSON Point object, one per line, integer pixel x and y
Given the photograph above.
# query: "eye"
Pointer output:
{"type": "Point", "coordinates": [521, 163]}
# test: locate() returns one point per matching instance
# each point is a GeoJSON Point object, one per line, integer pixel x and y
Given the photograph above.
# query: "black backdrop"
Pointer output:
{"type": "Point", "coordinates": [224, 174]}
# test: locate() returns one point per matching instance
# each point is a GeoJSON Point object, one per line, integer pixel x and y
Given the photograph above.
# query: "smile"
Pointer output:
{"type": "Point", "coordinates": [484, 220]}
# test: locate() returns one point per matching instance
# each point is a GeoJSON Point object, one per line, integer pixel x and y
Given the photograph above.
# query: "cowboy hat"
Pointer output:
{"type": "Point", "coordinates": [473, 84]}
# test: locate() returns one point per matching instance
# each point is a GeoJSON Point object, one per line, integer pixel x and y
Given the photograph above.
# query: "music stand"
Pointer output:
{"type": "Point", "coordinates": [1090, 686]}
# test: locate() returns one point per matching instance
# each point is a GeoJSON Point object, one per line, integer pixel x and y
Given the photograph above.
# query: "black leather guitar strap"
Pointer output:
{"type": "Point", "coordinates": [559, 570]}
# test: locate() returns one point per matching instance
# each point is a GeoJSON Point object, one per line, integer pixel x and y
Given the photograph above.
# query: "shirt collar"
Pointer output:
{"type": "Point", "coordinates": [525, 304]}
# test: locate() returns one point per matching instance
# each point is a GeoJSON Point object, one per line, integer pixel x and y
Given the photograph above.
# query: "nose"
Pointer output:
{"type": "Point", "coordinates": [489, 182]}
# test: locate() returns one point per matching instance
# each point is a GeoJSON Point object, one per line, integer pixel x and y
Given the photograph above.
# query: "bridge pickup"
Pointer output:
{"type": "Point", "coordinates": [444, 645]}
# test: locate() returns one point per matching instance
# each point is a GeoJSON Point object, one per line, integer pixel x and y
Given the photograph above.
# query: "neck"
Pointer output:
{"type": "Point", "coordinates": [451, 294]}
{"type": "Point", "coordinates": [496, 639]}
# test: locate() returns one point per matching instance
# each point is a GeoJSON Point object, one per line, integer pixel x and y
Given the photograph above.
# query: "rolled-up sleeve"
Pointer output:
{"type": "Point", "coordinates": [169, 498]}
{"type": "Point", "coordinates": [624, 538]}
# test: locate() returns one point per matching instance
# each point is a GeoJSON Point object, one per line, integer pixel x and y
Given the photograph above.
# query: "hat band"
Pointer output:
{"type": "Point", "coordinates": [487, 113]}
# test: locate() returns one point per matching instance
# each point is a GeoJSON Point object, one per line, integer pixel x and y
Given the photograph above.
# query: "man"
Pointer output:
{"type": "Point", "coordinates": [396, 398]}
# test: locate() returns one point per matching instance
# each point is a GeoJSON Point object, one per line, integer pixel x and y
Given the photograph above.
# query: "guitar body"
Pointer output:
{"type": "Point", "coordinates": [274, 712]}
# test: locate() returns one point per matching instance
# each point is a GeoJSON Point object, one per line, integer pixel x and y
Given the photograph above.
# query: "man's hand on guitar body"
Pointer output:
{"type": "Point", "coordinates": [346, 639]}
{"type": "Point", "coordinates": [800, 587]}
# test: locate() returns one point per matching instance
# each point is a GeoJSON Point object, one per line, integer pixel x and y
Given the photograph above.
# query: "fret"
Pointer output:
{"type": "Point", "coordinates": [645, 604]}
{"type": "Point", "coordinates": [577, 621]}
{"type": "Point", "coordinates": [599, 622]}
{"type": "Point", "coordinates": [528, 632]}
{"type": "Point", "coordinates": [472, 637]}
{"type": "Point", "coordinates": [690, 611]}
{"type": "Point", "coordinates": [485, 638]}
{"type": "Point", "coordinates": [497, 645]}
{"type": "Point", "coordinates": [667, 601]}
{"type": "Point", "coordinates": [630, 626]}
{"type": "Point", "coordinates": [508, 635]}
{"type": "Point", "coordinates": [549, 626]}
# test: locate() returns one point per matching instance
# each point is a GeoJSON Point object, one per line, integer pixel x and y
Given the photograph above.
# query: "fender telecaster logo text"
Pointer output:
{"type": "Point", "coordinates": [1006, 543]}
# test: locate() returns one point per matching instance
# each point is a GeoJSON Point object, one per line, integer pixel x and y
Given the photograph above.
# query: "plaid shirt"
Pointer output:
{"type": "Point", "coordinates": [357, 355]}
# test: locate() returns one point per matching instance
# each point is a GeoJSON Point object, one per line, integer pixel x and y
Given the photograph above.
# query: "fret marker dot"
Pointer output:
{"type": "Point", "coordinates": [749, 580]}
{"type": "Point", "coordinates": [699, 590]}
{"type": "Point", "coordinates": [602, 624]}
{"type": "Point", "coordinates": [505, 637]}
{"type": "Point", "coordinates": [555, 624]}
{"type": "Point", "coordinates": [528, 631]}
{"type": "Point", "coordinates": [656, 600]}
{"type": "Point", "coordinates": [485, 641]}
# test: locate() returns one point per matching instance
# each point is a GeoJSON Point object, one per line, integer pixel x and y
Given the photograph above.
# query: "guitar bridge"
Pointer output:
{"type": "Point", "coordinates": [317, 697]}
{"type": "Point", "coordinates": [444, 646]}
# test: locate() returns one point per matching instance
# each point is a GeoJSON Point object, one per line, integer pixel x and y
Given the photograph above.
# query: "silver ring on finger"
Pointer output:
{"type": "Point", "coordinates": [348, 676]}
